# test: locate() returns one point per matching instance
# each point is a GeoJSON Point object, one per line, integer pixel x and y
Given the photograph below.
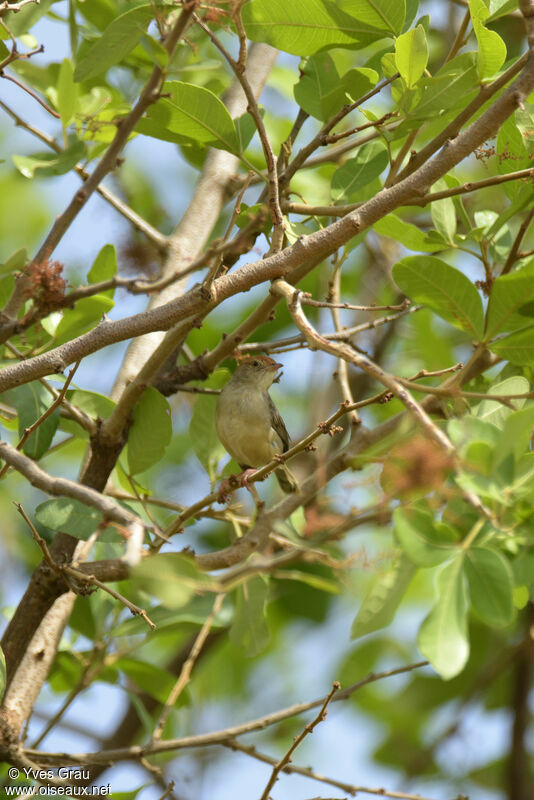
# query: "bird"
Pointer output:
{"type": "Point", "coordinates": [248, 423]}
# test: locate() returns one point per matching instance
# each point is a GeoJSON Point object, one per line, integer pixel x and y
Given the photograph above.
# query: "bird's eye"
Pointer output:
{"type": "Point", "coordinates": [255, 363]}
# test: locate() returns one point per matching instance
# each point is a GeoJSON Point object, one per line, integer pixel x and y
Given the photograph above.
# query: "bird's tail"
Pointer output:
{"type": "Point", "coordinates": [286, 479]}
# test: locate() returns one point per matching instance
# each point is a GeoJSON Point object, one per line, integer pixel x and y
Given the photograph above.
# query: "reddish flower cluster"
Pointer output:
{"type": "Point", "coordinates": [46, 287]}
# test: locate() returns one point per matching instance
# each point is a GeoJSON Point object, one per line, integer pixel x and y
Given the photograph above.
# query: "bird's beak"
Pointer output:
{"type": "Point", "coordinates": [276, 379]}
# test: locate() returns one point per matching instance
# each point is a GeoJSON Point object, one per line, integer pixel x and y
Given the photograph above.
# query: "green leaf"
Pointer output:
{"type": "Point", "coordinates": [357, 172]}
{"type": "Point", "coordinates": [451, 86]}
{"type": "Point", "coordinates": [193, 613]}
{"type": "Point", "coordinates": [153, 680]}
{"type": "Point", "coordinates": [426, 541]}
{"type": "Point", "coordinates": [104, 267]}
{"type": "Point", "coordinates": [491, 48]}
{"type": "Point", "coordinates": [444, 289]}
{"type": "Point", "coordinates": [67, 92]}
{"type": "Point", "coordinates": [495, 412]}
{"type": "Point", "coordinates": [411, 55]}
{"type": "Point", "coordinates": [319, 76]}
{"type": "Point", "coordinates": [383, 598]}
{"type": "Point", "coordinates": [31, 400]}
{"type": "Point", "coordinates": [442, 637]}
{"type": "Point", "coordinates": [249, 630]}
{"type": "Point", "coordinates": [303, 27]}
{"type": "Point", "coordinates": [490, 581]}
{"type": "Point", "coordinates": [15, 262]}
{"type": "Point", "coordinates": [515, 436]}
{"type": "Point", "coordinates": [354, 84]}
{"type": "Point", "coordinates": [49, 164]}
{"type": "Point", "coordinates": [310, 579]}
{"type": "Point", "coordinates": [517, 347]}
{"type": "Point", "coordinates": [405, 233]}
{"type": "Point", "coordinates": [190, 112]}
{"type": "Point", "coordinates": [86, 314]}
{"type": "Point", "coordinates": [95, 404]}
{"type": "Point", "coordinates": [3, 674]}
{"type": "Point", "coordinates": [151, 431]}
{"type": "Point", "coordinates": [511, 303]}
{"type": "Point", "coordinates": [69, 516]}
{"type": "Point", "coordinates": [117, 40]}
{"type": "Point", "coordinates": [384, 15]}
{"type": "Point", "coordinates": [208, 449]}
{"type": "Point", "coordinates": [171, 577]}
{"type": "Point", "coordinates": [245, 129]}
{"type": "Point", "coordinates": [511, 150]}
{"type": "Point", "coordinates": [443, 213]}
{"type": "Point", "coordinates": [499, 8]}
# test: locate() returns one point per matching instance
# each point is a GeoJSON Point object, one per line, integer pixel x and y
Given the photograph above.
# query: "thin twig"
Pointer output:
{"type": "Point", "coordinates": [238, 68]}
{"type": "Point", "coordinates": [308, 772]}
{"type": "Point", "coordinates": [187, 667]}
{"type": "Point", "coordinates": [286, 758]}
{"type": "Point", "coordinates": [92, 580]}
{"type": "Point", "coordinates": [342, 371]}
{"type": "Point", "coordinates": [215, 737]}
{"type": "Point", "coordinates": [31, 428]}
{"type": "Point", "coordinates": [31, 93]}
{"type": "Point", "coordinates": [421, 200]}
{"type": "Point", "coordinates": [513, 255]}
{"type": "Point", "coordinates": [341, 350]}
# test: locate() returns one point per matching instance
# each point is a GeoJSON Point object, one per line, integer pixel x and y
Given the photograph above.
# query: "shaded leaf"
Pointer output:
{"type": "Point", "coordinates": [117, 40]}
{"type": "Point", "coordinates": [380, 604]}
{"type": "Point", "coordinates": [31, 400]}
{"type": "Point", "coordinates": [426, 541]}
{"type": "Point", "coordinates": [319, 77]}
{"type": "Point", "coordinates": [208, 449]}
{"type": "Point", "coordinates": [357, 172]}
{"type": "Point", "coordinates": [444, 289]}
{"type": "Point", "coordinates": [151, 431]}
{"type": "Point", "coordinates": [69, 516]}
{"type": "Point", "coordinates": [171, 577]}
{"type": "Point", "coordinates": [511, 303]}
{"type": "Point", "coordinates": [249, 630]}
{"type": "Point", "coordinates": [49, 164]}
{"type": "Point", "coordinates": [490, 581]}
{"type": "Point", "coordinates": [494, 411]}
{"type": "Point", "coordinates": [517, 347]}
{"type": "Point", "coordinates": [95, 404]}
{"type": "Point", "coordinates": [354, 84]}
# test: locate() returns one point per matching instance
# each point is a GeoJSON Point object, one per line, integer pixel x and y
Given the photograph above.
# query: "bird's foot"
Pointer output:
{"type": "Point", "coordinates": [229, 485]}
{"type": "Point", "coordinates": [234, 482]}
{"type": "Point", "coordinates": [245, 475]}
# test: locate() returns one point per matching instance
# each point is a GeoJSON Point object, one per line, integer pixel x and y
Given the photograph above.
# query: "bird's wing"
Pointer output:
{"type": "Point", "coordinates": [278, 425]}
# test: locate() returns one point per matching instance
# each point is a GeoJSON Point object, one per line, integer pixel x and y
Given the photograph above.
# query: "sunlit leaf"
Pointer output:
{"type": "Point", "coordinates": [442, 637]}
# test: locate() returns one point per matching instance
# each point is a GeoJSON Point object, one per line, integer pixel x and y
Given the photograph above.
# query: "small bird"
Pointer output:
{"type": "Point", "coordinates": [248, 422]}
